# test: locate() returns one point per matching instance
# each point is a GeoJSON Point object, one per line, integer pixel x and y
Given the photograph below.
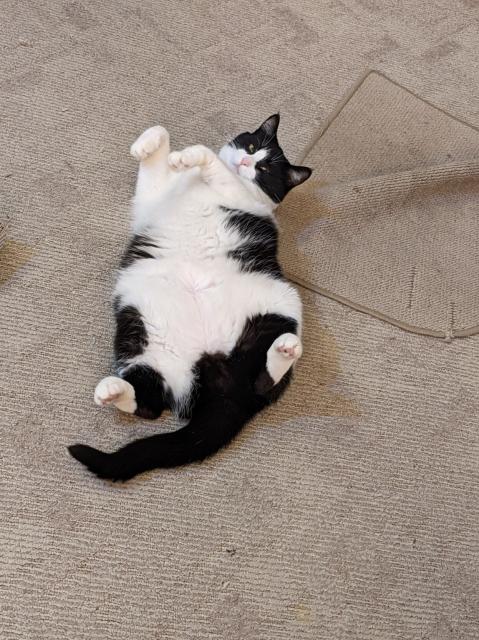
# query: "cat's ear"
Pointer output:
{"type": "Point", "coordinates": [270, 125]}
{"type": "Point", "coordinates": [298, 175]}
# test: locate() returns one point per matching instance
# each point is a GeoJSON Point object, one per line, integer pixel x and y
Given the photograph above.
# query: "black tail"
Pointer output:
{"type": "Point", "coordinates": [210, 429]}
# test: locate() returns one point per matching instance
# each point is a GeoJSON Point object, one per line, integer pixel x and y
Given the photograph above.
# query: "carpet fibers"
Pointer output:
{"type": "Point", "coordinates": [389, 223]}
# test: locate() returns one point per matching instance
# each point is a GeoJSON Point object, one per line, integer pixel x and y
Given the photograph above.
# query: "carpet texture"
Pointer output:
{"type": "Point", "coordinates": [3, 232]}
{"type": "Point", "coordinates": [348, 511]}
{"type": "Point", "coordinates": [389, 223]}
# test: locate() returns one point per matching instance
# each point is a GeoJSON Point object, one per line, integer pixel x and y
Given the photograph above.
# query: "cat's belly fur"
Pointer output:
{"type": "Point", "coordinates": [192, 307]}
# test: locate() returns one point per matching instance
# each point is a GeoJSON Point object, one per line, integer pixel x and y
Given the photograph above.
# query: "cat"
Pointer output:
{"type": "Point", "coordinates": [207, 325]}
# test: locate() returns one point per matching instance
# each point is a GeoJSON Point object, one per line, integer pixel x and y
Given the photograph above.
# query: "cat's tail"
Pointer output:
{"type": "Point", "coordinates": [212, 426]}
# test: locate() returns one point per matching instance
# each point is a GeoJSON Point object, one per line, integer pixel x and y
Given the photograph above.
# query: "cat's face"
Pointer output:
{"type": "Point", "coordinates": [257, 157]}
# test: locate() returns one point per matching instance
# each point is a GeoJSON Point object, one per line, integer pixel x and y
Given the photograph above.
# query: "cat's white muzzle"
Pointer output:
{"type": "Point", "coordinates": [240, 162]}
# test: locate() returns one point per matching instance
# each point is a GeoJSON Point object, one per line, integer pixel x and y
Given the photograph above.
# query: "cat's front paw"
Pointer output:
{"type": "Point", "coordinates": [190, 157]}
{"type": "Point", "coordinates": [175, 161]}
{"type": "Point", "coordinates": [149, 141]}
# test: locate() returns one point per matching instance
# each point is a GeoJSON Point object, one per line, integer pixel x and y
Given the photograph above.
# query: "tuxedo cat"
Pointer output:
{"type": "Point", "coordinates": [207, 325]}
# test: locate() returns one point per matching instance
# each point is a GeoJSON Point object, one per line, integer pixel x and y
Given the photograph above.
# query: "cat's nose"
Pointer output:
{"type": "Point", "coordinates": [246, 162]}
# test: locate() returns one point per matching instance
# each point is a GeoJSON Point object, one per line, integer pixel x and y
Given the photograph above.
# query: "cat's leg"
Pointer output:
{"type": "Point", "coordinates": [139, 391]}
{"type": "Point", "coordinates": [151, 149]}
{"type": "Point", "coordinates": [213, 170]}
{"type": "Point", "coordinates": [149, 389]}
{"type": "Point", "coordinates": [116, 391]}
{"type": "Point", "coordinates": [281, 356]}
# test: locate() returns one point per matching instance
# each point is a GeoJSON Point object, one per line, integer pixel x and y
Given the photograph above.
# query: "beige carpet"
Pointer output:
{"type": "Point", "coordinates": [3, 232]}
{"type": "Point", "coordinates": [389, 223]}
{"type": "Point", "coordinates": [350, 510]}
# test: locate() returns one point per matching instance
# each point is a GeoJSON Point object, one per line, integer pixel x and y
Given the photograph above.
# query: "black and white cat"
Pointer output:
{"type": "Point", "coordinates": [207, 325]}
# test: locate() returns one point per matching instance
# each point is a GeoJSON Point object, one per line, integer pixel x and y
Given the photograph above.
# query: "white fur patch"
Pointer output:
{"type": "Point", "coordinates": [116, 391]}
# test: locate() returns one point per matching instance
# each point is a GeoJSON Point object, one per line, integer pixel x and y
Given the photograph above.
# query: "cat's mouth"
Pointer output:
{"type": "Point", "coordinates": [243, 171]}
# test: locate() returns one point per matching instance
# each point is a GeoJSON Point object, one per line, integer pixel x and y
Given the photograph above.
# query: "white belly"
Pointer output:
{"type": "Point", "coordinates": [196, 307]}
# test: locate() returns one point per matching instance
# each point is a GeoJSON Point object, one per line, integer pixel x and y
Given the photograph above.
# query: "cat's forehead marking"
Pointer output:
{"type": "Point", "coordinates": [260, 155]}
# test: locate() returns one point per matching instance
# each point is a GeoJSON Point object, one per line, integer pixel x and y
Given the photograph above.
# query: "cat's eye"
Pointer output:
{"type": "Point", "coordinates": [251, 148]}
{"type": "Point", "coordinates": [263, 168]}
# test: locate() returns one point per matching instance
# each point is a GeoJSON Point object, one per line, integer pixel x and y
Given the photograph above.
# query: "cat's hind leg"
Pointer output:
{"type": "Point", "coordinates": [281, 356]}
{"type": "Point", "coordinates": [141, 391]}
{"type": "Point", "coordinates": [148, 385]}
{"type": "Point", "coordinates": [116, 391]}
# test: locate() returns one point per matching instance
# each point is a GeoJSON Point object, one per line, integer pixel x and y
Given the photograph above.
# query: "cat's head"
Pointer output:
{"type": "Point", "coordinates": [258, 158]}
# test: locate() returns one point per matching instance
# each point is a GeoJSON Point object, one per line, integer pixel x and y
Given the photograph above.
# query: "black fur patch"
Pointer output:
{"type": "Point", "coordinates": [137, 250]}
{"type": "Point", "coordinates": [261, 331]}
{"type": "Point", "coordinates": [260, 247]}
{"type": "Point", "coordinates": [131, 337]}
{"type": "Point", "coordinates": [151, 397]}
{"type": "Point", "coordinates": [264, 383]}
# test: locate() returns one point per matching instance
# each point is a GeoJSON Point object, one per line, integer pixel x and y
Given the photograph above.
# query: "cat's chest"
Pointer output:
{"type": "Point", "coordinates": [200, 232]}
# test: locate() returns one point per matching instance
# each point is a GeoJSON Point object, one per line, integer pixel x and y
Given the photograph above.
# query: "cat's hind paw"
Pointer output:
{"type": "Point", "coordinates": [116, 391]}
{"type": "Point", "coordinates": [108, 390]}
{"type": "Point", "coordinates": [282, 355]}
{"type": "Point", "coordinates": [149, 141]}
{"type": "Point", "coordinates": [288, 346]}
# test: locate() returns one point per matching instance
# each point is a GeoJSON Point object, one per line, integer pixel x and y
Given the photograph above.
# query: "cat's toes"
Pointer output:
{"type": "Point", "coordinates": [190, 157]}
{"type": "Point", "coordinates": [175, 160]}
{"type": "Point", "coordinates": [149, 141]}
{"type": "Point", "coordinates": [289, 346]}
{"type": "Point", "coordinates": [108, 390]}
